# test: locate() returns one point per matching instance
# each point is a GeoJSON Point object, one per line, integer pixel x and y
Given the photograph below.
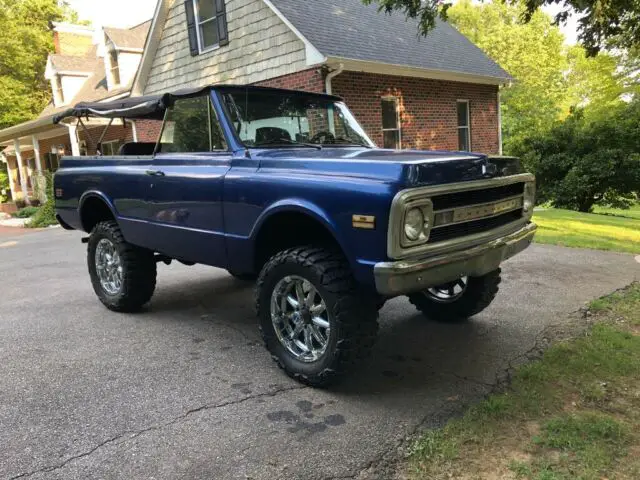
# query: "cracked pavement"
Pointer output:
{"type": "Point", "coordinates": [185, 390]}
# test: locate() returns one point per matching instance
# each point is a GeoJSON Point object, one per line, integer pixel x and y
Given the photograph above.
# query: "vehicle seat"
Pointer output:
{"type": "Point", "coordinates": [271, 134]}
{"type": "Point", "coordinates": [137, 148]}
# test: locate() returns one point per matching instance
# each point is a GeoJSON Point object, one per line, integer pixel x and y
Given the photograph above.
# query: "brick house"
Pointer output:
{"type": "Point", "coordinates": [434, 92]}
{"type": "Point", "coordinates": [88, 65]}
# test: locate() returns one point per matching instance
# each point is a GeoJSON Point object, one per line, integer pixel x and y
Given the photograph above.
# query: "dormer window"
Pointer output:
{"type": "Point", "coordinates": [206, 24]}
{"type": "Point", "coordinates": [114, 68]}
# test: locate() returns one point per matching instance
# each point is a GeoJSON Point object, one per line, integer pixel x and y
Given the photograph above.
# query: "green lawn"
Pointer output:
{"type": "Point", "coordinates": [600, 231]}
{"type": "Point", "coordinates": [574, 414]}
{"type": "Point", "coordinates": [633, 212]}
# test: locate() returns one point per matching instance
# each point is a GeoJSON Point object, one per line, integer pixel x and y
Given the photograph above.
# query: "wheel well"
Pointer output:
{"type": "Point", "coordinates": [94, 210]}
{"type": "Point", "coordinates": [290, 229]}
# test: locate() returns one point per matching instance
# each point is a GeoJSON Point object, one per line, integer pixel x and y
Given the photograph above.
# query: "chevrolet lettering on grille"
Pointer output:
{"type": "Point", "coordinates": [475, 212]}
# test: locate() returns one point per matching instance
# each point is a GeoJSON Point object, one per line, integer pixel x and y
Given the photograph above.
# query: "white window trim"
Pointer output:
{"type": "Point", "coordinates": [113, 67]}
{"type": "Point", "coordinates": [58, 93]}
{"type": "Point", "coordinates": [199, 22]}
{"type": "Point", "coordinates": [468, 126]}
{"type": "Point", "coordinates": [398, 120]}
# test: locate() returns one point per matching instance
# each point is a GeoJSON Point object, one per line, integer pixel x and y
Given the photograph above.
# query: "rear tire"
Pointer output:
{"type": "Point", "coordinates": [342, 319]}
{"type": "Point", "coordinates": [123, 276]}
{"type": "Point", "coordinates": [477, 295]}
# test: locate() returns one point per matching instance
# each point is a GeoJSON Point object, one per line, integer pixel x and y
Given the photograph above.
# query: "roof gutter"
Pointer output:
{"type": "Point", "coordinates": [330, 76]}
{"type": "Point", "coordinates": [369, 66]}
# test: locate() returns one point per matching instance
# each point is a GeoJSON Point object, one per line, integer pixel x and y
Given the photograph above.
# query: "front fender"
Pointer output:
{"type": "Point", "coordinates": [299, 205]}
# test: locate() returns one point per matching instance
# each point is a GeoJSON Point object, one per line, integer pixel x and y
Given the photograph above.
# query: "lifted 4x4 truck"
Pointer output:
{"type": "Point", "coordinates": [285, 187]}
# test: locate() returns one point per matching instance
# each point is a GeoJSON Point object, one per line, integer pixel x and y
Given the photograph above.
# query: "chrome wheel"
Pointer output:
{"type": "Point", "coordinates": [108, 266]}
{"type": "Point", "coordinates": [300, 318]}
{"type": "Point", "coordinates": [448, 292]}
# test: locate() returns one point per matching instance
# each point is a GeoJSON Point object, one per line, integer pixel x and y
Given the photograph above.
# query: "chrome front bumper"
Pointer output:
{"type": "Point", "coordinates": [406, 276]}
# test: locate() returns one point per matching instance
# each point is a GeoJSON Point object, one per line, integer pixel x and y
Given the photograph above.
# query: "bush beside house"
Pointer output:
{"type": "Point", "coordinates": [46, 214]}
{"type": "Point", "coordinates": [585, 161]}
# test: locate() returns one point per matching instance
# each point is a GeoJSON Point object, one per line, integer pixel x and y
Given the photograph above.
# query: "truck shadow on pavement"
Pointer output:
{"type": "Point", "coordinates": [412, 352]}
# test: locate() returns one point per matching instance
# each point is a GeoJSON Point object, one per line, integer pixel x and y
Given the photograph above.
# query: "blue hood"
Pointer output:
{"type": "Point", "coordinates": [408, 168]}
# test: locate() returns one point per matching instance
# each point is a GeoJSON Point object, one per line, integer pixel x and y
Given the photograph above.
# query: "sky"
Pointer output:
{"type": "Point", "coordinates": [114, 13]}
{"type": "Point", "coordinates": [569, 29]}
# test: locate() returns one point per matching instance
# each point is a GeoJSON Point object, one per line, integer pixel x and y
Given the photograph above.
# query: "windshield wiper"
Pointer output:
{"type": "Point", "coordinates": [348, 142]}
{"type": "Point", "coordinates": [287, 141]}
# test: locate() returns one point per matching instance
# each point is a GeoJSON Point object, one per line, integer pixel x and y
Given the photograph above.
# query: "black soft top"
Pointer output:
{"type": "Point", "coordinates": [154, 106]}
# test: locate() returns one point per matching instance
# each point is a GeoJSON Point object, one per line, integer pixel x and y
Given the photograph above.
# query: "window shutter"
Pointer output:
{"type": "Point", "coordinates": [221, 16]}
{"type": "Point", "coordinates": [191, 28]}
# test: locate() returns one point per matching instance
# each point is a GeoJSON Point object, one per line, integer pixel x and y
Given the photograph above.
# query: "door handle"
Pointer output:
{"type": "Point", "coordinates": [155, 173]}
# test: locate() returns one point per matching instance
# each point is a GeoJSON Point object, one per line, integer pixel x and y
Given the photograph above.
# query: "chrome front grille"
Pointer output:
{"type": "Point", "coordinates": [457, 230]}
{"type": "Point", "coordinates": [462, 214]}
{"type": "Point", "coordinates": [489, 208]}
{"type": "Point", "coordinates": [472, 197]}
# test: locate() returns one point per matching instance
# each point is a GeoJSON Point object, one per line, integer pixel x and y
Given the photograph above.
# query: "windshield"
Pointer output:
{"type": "Point", "coordinates": [268, 118]}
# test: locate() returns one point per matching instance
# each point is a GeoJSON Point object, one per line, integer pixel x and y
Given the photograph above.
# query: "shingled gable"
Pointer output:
{"type": "Point", "coordinates": [131, 39]}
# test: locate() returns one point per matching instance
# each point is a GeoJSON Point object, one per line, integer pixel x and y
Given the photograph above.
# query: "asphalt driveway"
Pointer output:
{"type": "Point", "coordinates": [186, 390]}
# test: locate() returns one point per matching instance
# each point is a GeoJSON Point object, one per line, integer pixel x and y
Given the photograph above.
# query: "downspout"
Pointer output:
{"type": "Point", "coordinates": [329, 89]}
{"type": "Point", "coordinates": [499, 124]}
{"type": "Point", "coordinates": [330, 76]}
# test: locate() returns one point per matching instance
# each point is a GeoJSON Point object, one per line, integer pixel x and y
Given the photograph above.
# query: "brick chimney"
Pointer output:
{"type": "Point", "coordinates": [74, 40]}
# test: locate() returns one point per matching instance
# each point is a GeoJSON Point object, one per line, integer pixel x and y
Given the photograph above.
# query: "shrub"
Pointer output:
{"type": "Point", "coordinates": [46, 214]}
{"type": "Point", "coordinates": [26, 212]}
{"type": "Point", "coordinates": [581, 163]}
{"type": "Point", "coordinates": [4, 183]}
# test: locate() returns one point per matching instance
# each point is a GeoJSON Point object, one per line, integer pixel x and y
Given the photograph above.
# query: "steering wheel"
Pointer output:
{"type": "Point", "coordinates": [324, 134]}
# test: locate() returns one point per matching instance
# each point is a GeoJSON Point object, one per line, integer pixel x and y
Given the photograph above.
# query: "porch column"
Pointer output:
{"type": "Point", "coordinates": [39, 179]}
{"type": "Point", "coordinates": [73, 136]}
{"type": "Point", "coordinates": [23, 174]}
{"type": "Point", "coordinates": [12, 186]}
{"type": "Point", "coordinates": [36, 153]}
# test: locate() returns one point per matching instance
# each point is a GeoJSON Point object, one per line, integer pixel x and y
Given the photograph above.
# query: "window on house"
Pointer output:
{"type": "Point", "coordinates": [114, 67]}
{"type": "Point", "coordinates": [207, 19]}
{"type": "Point", "coordinates": [391, 132]}
{"type": "Point", "coordinates": [191, 125]}
{"type": "Point", "coordinates": [58, 93]}
{"type": "Point", "coordinates": [464, 126]}
{"type": "Point", "coordinates": [110, 148]}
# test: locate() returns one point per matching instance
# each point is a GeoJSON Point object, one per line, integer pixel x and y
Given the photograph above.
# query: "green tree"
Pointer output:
{"type": "Point", "coordinates": [26, 40]}
{"type": "Point", "coordinates": [586, 161]}
{"type": "Point", "coordinates": [532, 53]}
{"type": "Point", "coordinates": [594, 82]}
{"type": "Point", "coordinates": [599, 22]}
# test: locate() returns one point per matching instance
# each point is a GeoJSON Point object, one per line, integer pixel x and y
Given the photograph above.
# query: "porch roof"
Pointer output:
{"type": "Point", "coordinates": [32, 127]}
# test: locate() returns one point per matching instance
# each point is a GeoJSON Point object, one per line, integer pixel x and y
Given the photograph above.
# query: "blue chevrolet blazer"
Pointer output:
{"type": "Point", "coordinates": [285, 188]}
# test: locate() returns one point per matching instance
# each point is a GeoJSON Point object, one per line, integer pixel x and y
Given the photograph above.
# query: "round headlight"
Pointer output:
{"type": "Point", "coordinates": [529, 197]}
{"type": "Point", "coordinates": [413, 224]}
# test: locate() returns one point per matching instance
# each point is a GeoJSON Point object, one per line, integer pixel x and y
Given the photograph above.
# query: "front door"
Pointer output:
{"type": "Point", "coordinates": [187, 176]}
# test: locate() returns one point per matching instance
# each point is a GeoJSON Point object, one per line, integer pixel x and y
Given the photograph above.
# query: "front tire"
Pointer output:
{"type": "Point", "coordinates": [459, 300]}
{"type": "Point", "coordinates": [314, 320]}
{"type": "Point", "coordinates": [123, 276]}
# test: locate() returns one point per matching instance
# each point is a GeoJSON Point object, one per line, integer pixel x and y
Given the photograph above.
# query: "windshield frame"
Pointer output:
{"type": "Point", "coordinates": [221, 91]}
